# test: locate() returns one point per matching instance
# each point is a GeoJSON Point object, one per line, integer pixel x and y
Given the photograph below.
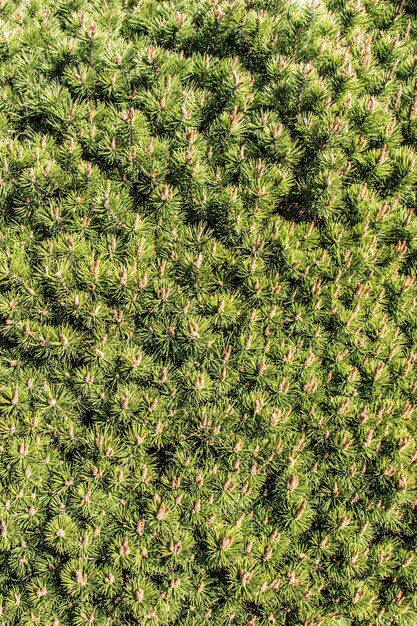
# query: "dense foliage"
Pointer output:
{"type": "Point", "coordinates": [208, 329]}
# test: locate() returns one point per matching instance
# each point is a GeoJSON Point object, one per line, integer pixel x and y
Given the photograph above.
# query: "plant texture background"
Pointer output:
{"type": "Point", "coordinates": [208, 322]}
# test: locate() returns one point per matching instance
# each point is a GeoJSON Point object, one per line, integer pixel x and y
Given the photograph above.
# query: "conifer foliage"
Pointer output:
{"type": "Point", "coordinates": [208, 329]}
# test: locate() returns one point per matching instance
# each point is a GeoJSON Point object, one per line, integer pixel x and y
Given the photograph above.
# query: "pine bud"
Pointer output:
{"type": "Point", "coordinates": [139, 595]}
{"type": "Point", "coordinates": [81, 578]}
{"type": "Point", "coordinates": [226, 543]}
{"type": "Point", "coordinates": [293, 580]}
{"type": "Point", "coordinates": [292, 482]}
{"type": "Point", "coordinates": [162, 513]}
{"type": "Point", "coordinates": [124, 549]}
{"type": "Point", "coordinates": [245, 577]}
{"type": "Point", "coordinates": [3, 529]}
{"type": "Point", "coordinates": [301, 508]}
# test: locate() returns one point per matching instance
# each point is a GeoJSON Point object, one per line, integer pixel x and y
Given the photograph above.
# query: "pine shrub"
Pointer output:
{"type": "Point", "coordinates": [208, 321]}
